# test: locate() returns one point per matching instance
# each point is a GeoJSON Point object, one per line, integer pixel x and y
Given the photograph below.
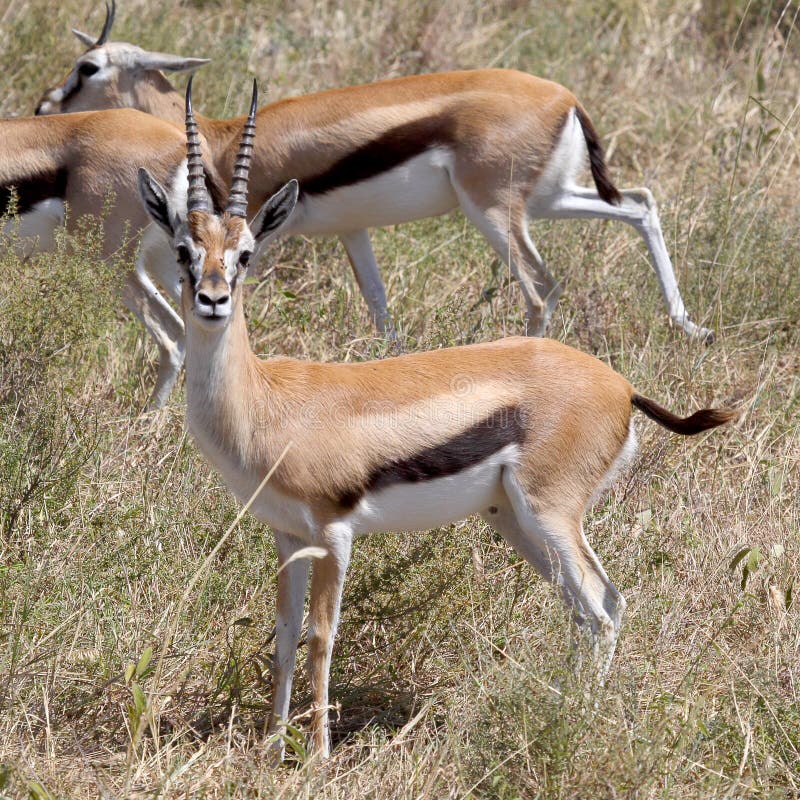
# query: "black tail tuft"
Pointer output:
{"type": "Point", "coordinates": [597, 161]}
{"type": "Point", "coordinates": [687, 426]}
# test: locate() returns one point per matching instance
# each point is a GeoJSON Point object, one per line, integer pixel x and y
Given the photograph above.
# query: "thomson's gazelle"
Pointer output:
{"type": "Point", "coordinates": [504, 146]}
{"type": "Point", "coordinates": [522, 431]}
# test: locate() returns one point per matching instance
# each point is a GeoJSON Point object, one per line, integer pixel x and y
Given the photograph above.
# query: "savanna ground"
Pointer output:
{"type": "Point", "coordinates": [449, 644]}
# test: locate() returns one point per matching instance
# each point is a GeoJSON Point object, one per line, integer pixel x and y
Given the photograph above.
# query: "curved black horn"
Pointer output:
{"type": "Point", "coordinates": [237, 199]}
{"type": "Point", "coordinates": [197, 197]}
{"type": "Point", "coordinates": [110, 14]}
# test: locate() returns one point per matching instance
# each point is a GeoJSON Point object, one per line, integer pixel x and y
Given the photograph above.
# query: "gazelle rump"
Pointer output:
{"type": "Point", "coordinates": [504, 146]}
{"type": "Point", "coordinates": [523, 431]}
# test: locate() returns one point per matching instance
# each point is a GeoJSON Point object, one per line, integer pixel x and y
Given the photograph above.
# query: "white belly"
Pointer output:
{"type": "Point", "coordinates": [429, 504]}
{"type": "Point", "coordinates": [401, 507]}
{"type": "Point", "coordinates": [418, 188]}
{"type": "Point", "coordinates": [37, 228]}
{"type": "Point", "coordinates": [404, 507]}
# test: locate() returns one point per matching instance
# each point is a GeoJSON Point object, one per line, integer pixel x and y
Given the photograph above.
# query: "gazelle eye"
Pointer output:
{"type": "Point", "coordinates": [88, 68]}
{"type": "Point", "coordinates": [183, 255]}
{"type": "Point", "coordinates": [244, 258]}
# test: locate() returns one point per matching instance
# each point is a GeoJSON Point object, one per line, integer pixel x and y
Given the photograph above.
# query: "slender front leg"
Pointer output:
{"type": "Point", "coordinates": [368, 277]}
{"type": "Point", "coordinates": [292, 582]}
{"type": "Point", "coordinates": [163, 324]}
{"type": "Point", "coordinates": [327, 580]}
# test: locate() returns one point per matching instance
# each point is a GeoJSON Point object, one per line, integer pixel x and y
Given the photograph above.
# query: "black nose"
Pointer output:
{"type": "Point", "coordinates": [218, 300]}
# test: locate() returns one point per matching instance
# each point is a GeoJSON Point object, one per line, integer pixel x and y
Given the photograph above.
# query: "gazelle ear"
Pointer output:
{"type": "Point", "coordinates": [272, 216]}
{"type": "Point", "coordinates": [156, 202]}
{"type": "Point", "coordinates": [167, 62]}
{"type": "Point", "coordinates": [84, 38]}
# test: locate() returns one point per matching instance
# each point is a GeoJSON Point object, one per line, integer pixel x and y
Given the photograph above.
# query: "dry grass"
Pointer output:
{"type": "Point", "coordinates": [449, 646]}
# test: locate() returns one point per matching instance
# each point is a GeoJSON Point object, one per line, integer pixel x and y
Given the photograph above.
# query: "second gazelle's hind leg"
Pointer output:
{"type": "Point", "coordinates": [506, 229]}
{"type": "Point", "coordinates": [596, 602]}
{"type": "Point", "coordinates": [155, 260]}
{"type": "Point", "coordinates": [637, 209]}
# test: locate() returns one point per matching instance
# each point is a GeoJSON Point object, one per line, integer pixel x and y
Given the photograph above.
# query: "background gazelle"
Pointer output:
{"type": "Point", "coordinates": [523, 431]}
{"type": "Point", "coordinates": [87, 161]}
{"type": "Point", "coordinates": [502, 145]}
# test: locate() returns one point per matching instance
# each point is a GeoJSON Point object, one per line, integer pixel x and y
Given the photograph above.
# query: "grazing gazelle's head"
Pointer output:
{"type": "Point", "coordinates": [115, 75]}
{"type": "Point", "coordinates": [212, 249]}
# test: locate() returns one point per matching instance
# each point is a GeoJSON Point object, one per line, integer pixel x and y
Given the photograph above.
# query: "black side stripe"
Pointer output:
{"type": "Point", "coordinates": [32, 190]}
{"type": "Point", "coordinates": [382, 154]}
{"type": "Point", "coordinates": [473, 445]}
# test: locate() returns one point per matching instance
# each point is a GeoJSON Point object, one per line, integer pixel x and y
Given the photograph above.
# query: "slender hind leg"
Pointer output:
{"type": "Point", "coordinates": [530, 255]}
{"type": "Point", "coordinates": [546, 563]}
{"type": "Point", "coordinates": [596, 598]}
{"type": "Point", "coordinates": [507, 233]}
{"type": "Point", "coordinates": [637, 209]}
{"type": "Point", "coordinates": [157, 261]}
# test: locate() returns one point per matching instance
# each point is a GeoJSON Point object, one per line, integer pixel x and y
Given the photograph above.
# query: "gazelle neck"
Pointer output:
{"type": "Point", "coordinates": [157, 96]}
{"type": "Point", "coordinates": [161, 99]}
{"type": "Point", "coordinates": [220, 367]}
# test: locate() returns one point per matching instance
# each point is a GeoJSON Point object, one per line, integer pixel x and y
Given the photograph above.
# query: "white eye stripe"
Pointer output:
{"type": "Point", "coordinates": [231, 260]}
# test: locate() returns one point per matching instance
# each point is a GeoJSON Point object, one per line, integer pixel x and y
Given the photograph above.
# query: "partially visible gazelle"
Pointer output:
{"type": "Point", "coordinates": [523, 431]}
{"type": "Point", "coordinates": [503, 145]}
{"type": "Point", "coordinates": [88, 161]}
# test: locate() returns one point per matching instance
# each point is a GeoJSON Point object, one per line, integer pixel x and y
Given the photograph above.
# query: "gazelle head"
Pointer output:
{"type": "Point", "coordinates": [213, 250]}
{"type": "Point", "coordinates": [114, 75]}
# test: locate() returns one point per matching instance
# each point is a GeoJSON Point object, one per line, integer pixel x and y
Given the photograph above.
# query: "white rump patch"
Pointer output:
{"type": "Point", "coordinates": [564, 165]}
{"type": "Point", "coordinates": [621, 463]}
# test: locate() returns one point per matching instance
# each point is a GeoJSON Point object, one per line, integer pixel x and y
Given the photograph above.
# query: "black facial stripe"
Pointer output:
{"type": "Point", "coordinates": [66, 94]}
{"type": "Point", "coordinates": [33, 190]}
{"type": "Point", "coordinates": [387, 151]}
{"type": "Point", "coordinates": [480, 441]}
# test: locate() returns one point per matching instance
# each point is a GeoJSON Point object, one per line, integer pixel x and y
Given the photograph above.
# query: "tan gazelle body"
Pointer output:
{"type": "Point", "coordinates": [523, 431]}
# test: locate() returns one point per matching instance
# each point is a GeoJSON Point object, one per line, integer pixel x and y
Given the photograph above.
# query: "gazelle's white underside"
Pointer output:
{"type": "Point", "coordinates": [36, 229]}
{"type": "Point", "coordinates": [417, 188]}
{"type": "Point", "coordinates": [400, 507]}
{"type": "Point", "coordinates": [429, 504]}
